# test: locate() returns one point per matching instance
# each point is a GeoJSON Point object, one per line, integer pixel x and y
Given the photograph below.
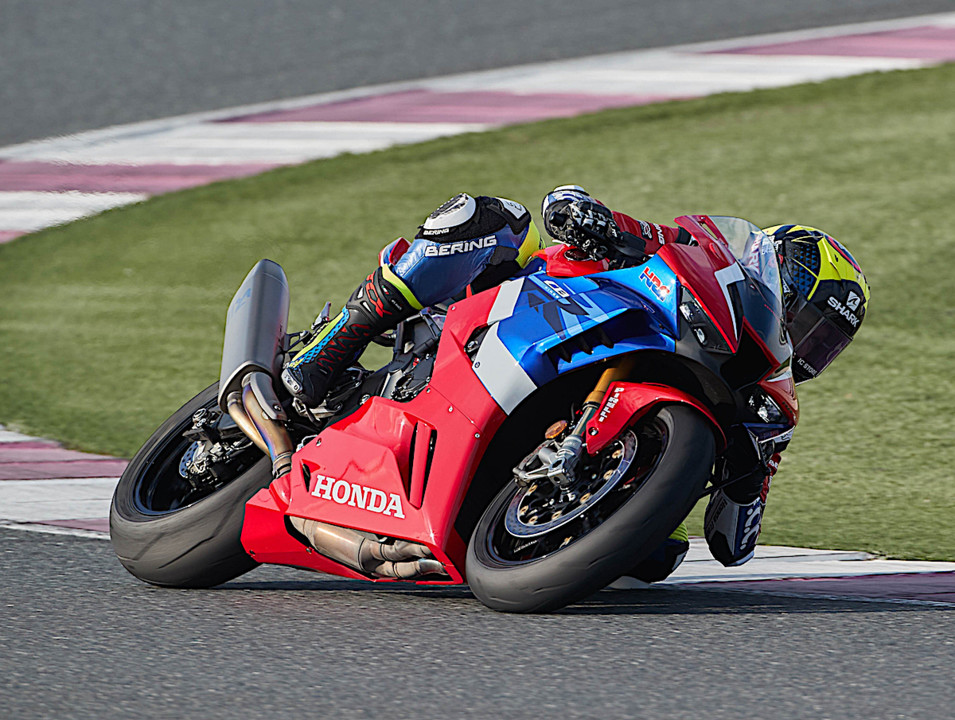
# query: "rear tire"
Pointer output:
{"type": "Point", "coordinates": [603, 553]}
{"type": "Point", "coordinates": [196, 545]}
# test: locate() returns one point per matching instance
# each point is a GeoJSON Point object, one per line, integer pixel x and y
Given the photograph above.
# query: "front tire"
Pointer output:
{"type": "Point", "coordinates": [563, 574]}
{"type": "Point", "coordinates": [166, 541]}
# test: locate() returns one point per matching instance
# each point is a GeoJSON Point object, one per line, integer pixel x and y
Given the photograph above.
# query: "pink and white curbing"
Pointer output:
{"type": "Point", "coordinates": [56, 180]}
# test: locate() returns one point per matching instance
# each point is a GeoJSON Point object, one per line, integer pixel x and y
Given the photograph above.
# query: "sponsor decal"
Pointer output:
{"type": "Point", "coordinates": [610, 404]}
{"type": "Point", "coordinates": [645, 229]}
{"type": "Point", "coordinates": [558, 290]}
{"type": "Point", "coordinates": [652, 281]}
{"type": "Point", "coordinates": [555, 290]}
{"type": "Point", "coordinates": [850, 316]}
{"type": "Point", "coordinates": [661, 238]}
{"type": "Point", "coordinates": [364, 498]}
{"type": "Point", "coordinates": [806, 366]}
{"type": "Point", "coordinates": [431, 232]}
{"type": "Point", "coordinates": [460, 247]}
{"type": "Point", "coordinates": [852, 302]}
{"type": "Point", "coordinates": [241, 300]}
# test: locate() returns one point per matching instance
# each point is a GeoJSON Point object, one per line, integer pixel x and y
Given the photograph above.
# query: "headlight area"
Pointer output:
{"type": "Point", "coordinates": [701, 326]}
{"type": "Point", "coordinates": [765, 408]}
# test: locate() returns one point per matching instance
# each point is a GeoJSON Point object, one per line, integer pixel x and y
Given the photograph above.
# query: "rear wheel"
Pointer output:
{"type": "Point", "coordinates": [176, 528]}
{"type": "Point", "coordinates": [539, 548]}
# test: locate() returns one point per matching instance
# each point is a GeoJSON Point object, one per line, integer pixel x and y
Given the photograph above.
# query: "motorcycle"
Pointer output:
{"type": "Point", "coordinates": [535, 440]}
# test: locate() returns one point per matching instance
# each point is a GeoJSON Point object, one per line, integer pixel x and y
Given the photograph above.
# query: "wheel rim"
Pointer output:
{"type": "Point", "coordinates": [532, 513]}
{"type": "Point", "coordinates": [160, 487]}
{"type": "Point", "coordinates": [509, 549]}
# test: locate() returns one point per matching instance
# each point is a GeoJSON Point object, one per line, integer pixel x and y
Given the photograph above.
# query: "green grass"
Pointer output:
{"type": "Point", "coordinates": [109, 324]}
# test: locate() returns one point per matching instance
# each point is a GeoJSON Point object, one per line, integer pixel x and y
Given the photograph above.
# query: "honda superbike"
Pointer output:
{"type": "Point", "coordinates": [535, 440]}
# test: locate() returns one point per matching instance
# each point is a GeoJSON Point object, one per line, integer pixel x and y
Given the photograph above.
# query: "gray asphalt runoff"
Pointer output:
{"type": "Point", "coordinates": [82, 638]}
{"type": "Point", "coordinates": [70, 66]}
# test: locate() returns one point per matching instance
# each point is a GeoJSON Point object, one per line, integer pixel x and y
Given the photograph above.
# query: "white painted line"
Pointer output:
{"type": "Point", "coordinates": [63, 499]}
{"type": "Point", "coordinates": [699, 552]}
{"type": "Point", "coordinates": [8, 436]}
{"type": "Point", "coordinates": [135, 131]}
{"type": "Point", "coordinates": [756, 569]}
{"type": "Point", "coordinates": [946, 19]}
{"type": "Point", "coordinates": [237, 143]}
{"type": "Point", "coordinates": [674, 74]}
{"type": "Point", "coordinates": [36, 210]}
{"type": "Point", "coordinates": [777, 562]}
{"type": "Point", "coordinates": [53, 530]}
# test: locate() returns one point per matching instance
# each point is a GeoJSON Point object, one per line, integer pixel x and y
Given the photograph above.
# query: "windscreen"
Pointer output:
{"type": "Point", "coordinates": [754, 249]}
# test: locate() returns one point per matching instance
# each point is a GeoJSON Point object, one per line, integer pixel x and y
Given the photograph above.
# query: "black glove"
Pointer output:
{"type": "Point", "coordinates": [583, 224]}
{"type": "Point", "coordinates": [590, 227]}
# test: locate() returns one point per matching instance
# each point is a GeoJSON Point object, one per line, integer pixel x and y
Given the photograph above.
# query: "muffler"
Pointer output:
{"type": "Point", "coordinates": [360, 551]}
{"type": "Point", "coordinates": [252, 356]}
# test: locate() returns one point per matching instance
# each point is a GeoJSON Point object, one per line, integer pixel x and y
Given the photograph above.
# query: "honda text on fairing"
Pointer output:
{"type": "Point", "coordinates": [535, 440]}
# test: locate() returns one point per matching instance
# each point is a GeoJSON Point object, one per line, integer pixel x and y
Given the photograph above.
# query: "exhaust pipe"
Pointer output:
{"type": "Point", "coordinates": [262, 427]}
{"type": "Point", "coordinates": [237, 412]}
{"type": "Point", "coordinates": [401, 559]}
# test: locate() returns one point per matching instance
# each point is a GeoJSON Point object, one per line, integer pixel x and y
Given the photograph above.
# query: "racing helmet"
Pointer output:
{"type": "Point", "coordinates": [825, 296]}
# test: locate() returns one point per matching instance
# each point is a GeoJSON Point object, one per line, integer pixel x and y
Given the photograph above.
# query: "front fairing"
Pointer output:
{"type": "Point", "coordinates": [552, 325]}
{"type": "Point", "coordinates": [760, 289]}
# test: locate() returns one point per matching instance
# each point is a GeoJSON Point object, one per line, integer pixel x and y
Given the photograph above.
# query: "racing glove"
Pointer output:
{"type": "Point", "coordinates": [572, 217]}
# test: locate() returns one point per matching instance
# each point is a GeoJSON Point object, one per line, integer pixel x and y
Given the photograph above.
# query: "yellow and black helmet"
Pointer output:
{"type": "Point", "coordinates": [825, 293]}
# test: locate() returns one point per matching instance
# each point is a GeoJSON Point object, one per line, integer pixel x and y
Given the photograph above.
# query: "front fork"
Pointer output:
{"type": "Point", "coordinates": [561, 467]}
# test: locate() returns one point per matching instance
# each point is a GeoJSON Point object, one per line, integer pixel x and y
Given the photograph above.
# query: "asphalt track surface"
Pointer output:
{"type": "Point", "coordinates": [66, 67]}
{"type": "Point", "coordinates": [82, 638]}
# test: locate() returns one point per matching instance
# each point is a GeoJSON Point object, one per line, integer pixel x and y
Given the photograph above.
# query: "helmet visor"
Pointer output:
{"type": "Point", "coordinates": [816, 342]}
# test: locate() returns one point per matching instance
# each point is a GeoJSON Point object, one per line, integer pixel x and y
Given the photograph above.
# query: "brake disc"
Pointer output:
{"type": "Point", "coordinates": [542, 507]}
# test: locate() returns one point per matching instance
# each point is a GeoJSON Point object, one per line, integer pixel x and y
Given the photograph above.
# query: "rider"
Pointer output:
{"type": "Point", "coordinates": [477, 242]}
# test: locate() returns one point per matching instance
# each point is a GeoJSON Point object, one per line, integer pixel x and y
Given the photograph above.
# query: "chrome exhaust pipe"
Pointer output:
{"type": "Point", "coordinates": [360, 551]}
{"type": "Point", "coordinates": [277, 442]}
{"type": "Point", "coordinates": [241, 417]}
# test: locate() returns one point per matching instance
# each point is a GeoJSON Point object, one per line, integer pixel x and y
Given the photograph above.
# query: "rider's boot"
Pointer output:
{"type": "Point", "coordinates": [733, 521]}
{"type": "Point", "coordinates": [377, 305]}
{"type": "Point", "coordinates": [659, 565]}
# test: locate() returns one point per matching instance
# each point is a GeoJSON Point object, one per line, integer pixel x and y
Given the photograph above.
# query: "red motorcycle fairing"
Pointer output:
{"type": "Point", "coordinates": [627, 402]}
{"type": "Point", "coordinates": [390, 468]}
{"type": "Point", "coordinates": [707, 271]}
{"type": "Point", "coordinates": [781, 387]}
{"type": "Point", "coordinates": [559, 265]}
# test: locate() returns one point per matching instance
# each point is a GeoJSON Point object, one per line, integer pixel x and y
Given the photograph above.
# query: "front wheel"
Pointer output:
{"type": "Point", "coordinates": [171, 528]}
{"type": "Point", "coordinates": [538, 549]}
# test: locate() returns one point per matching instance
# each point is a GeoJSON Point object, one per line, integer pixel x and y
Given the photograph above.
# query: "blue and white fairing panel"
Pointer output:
{"type": "Point", "coordinates": [533, 315]}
